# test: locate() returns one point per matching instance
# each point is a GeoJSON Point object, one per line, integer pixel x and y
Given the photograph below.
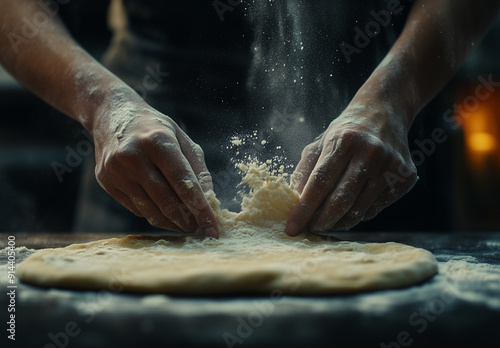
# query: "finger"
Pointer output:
{"type": "Point", "coordinates": [320, 183]}
{"type": "Point", "coordinates": [371, 191]}
{"type": "Point", "coordinates": [391, 194]}
{"type": "Point", "coordinates": [380, 204]}
{"type": "Point", "coordinates": [196, 158]}
{"type": "Point", "coordinates": [308, 161]}
{"type": "Point", "coordinates": [374, 185]}
{"type": "Point", "coordinates": [167, 201]}
{"type": "Point", "coordinates": [178, 172]}
{"type": "Point", "coordinates": [153, 198]}
{"type": "Point", "coordinates": [150, 210]}
{"type": "Point", "coordinates": [342, 199]}
{"type": "Point", "coordinates": [124, 200]}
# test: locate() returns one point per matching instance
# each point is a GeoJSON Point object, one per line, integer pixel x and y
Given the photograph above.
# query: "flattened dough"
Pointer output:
{"type": "Point", "coordinates": [252, 256]}
{"type": "Point", "coordinates": [146, 265]}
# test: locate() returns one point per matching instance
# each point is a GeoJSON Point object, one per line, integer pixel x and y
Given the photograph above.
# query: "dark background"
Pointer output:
{"type": "Point", "coordinates": [33, 136]}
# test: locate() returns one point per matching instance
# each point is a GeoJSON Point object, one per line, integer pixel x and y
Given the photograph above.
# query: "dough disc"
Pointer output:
{"type": "Point", "coordinates": [212, 267]}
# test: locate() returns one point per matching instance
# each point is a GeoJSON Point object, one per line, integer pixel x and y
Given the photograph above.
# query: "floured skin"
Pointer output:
{"type": "Point", "coordinates": [252, 256]}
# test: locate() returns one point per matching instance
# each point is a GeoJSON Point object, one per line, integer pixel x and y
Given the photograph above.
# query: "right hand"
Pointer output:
{"type": "Point", "coordinates": [148, 164]}
{"type": "Point", "coordinates": [342, 176]}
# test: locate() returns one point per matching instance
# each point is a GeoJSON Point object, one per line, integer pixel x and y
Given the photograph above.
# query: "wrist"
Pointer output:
{"type": "Point", "coordinates": [390, 97]}
{"type": "Point", "coordinates": [100, 98]}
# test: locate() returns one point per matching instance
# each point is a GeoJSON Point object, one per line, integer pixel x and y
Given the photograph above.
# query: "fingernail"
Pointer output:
{"type": "Point", "coordinates": [210, 232]}
{"type": "Point", "coordinates": [292, 229]}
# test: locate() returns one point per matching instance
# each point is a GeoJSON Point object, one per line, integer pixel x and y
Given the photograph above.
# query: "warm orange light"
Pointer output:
{"type": "Point", "coordinates": [480, 120]}
{"type": "Point", "coordinates": [481, 142]}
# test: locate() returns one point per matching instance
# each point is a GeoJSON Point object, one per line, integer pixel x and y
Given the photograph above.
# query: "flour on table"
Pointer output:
{"type": "Point", "coordinates": [252, 256]}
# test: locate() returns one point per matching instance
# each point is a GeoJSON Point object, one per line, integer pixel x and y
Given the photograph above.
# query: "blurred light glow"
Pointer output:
{"type": "Point", "coordinates": [481, 129]}
{"type": "Point", "coordinates": [481, 142]}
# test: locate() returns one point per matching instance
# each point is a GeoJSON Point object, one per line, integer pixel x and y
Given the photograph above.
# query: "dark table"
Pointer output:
{"type": "Point", "coordinates": [459, 307]}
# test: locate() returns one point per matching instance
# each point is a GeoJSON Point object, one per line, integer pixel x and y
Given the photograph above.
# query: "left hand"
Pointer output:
{"type": "Point", "coordinates": [357, 167]}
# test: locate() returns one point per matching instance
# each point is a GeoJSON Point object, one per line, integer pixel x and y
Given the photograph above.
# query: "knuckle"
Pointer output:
{"type": "Point", "coordinates": [310, 149]}
{"type": "Point", "coordinates": [155, 138]}
{"type": "Point", "coordinates": [344, 141]}
{"type": "Point", "coordinates": [371, 146]}
{"type": "Point", "coordinates": [101, 175]}
{"type": "Point", "coordinates": [105, 178]}
{"type": "Point", "coordinates": [205, 175]}
{"type": "Point", "coordinates": [410, 172]}
{"type": "Point", "coordinates": [297, 178]}
{"type": "Point", "coordinates": [180, 186]}
{"type": "Point", "coordinates": [151, 138]}
{"type": "Point", "coordinates": [408, 177]}
{"type": "Point", "coordinates": [184, 186]}
{"type": "Point", "coordinates": [350, 135]}
{"type": "Point", "coordinates": [340, 200]}
{"type": "Point", "coordinates": [376, 149]}
{"type": "Point", "coordinates": [198, 151]}
{"type": "Point", "coordinates": [323, 179]}
{"type": "Point", "coordinates": [205, 179]}
{"type": "Point", "coordinates": [124, 156]}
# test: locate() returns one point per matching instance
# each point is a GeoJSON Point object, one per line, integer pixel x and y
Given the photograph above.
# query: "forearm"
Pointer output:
{"type": "Point", "coordinates": [52, 65]}
{"type": "Point", "coordinates": [436, 39]}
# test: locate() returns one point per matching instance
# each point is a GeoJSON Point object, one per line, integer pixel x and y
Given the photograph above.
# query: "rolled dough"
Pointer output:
{"type": "Point", "coordinates": [252, 256]}
{"type": "Point", "coordinates": [147, 265]}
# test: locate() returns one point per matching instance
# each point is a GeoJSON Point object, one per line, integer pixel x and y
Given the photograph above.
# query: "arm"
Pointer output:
{"type": "Point", "coordinates": [144, 160]}
{"type": "Point", "coordinates": [343, 176]}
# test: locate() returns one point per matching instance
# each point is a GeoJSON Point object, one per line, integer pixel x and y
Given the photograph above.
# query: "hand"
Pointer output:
{"type": "Point", "coordinates": [149, 165]}
{"type": "Point", "coordinates": [348, 174]}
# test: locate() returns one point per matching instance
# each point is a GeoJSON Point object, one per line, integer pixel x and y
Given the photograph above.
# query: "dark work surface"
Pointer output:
{"type": "Point", "coordinates": [459, 307]}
